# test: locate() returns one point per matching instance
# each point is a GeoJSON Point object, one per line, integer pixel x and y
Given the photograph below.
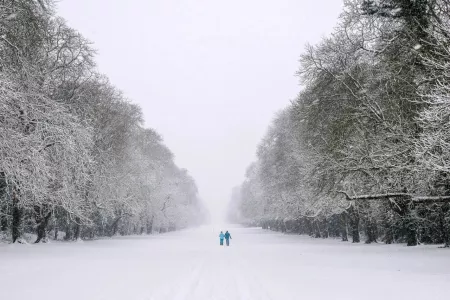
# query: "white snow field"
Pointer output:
{"type": "Point", "coordinates": [191, 265]}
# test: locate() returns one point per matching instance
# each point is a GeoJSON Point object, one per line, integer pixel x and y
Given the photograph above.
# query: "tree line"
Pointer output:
{"type": "Point", "coordinates": [364, 150]}
{"type": "Point", "coordinates": [75, 158]}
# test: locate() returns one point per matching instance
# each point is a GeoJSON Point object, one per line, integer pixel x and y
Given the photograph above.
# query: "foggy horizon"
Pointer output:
{"type": "Point", "coordinates": [209, 76]}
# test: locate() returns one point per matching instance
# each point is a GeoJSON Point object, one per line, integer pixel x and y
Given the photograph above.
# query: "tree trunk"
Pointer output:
{"type": "Point", "coordinates": [354, 222]}
{"type": "Point", "coordinates": [77, 232]}
{"type": "Point", "coordinates": [371, 231]}
{"type": "Point", "coordinates": [298, 228]}
{"type": "Point", "coordinates": [326, 232]}
{"type": "Point", "coordinates": [69, 232]}
{"type": "Point", "coordinates": [17, 213]}
{"type": "Point", "coordinates": [411, 230]}
{"type": "Point", "coordinates": [4, 211]}
{"type": "Point", "coordinates": [316, 229]}
{"type": "Point", "coordinates": [3, 223]}
{"type": "Point", "coordinates": [389, 237]}
{"type": "Point", "coordinates": [56, 233]}
{"type": "Point", "coordinates": [309, 227]}
{"type": "Point", "coordinates": [42, 228]}
{"type": "Point", "coordinates": [344, 234]}
{"type": "Point", "coordinates": [388, 223]}
{"type": "Point", "coordinates": [275, 225]}
{"type": "Point", "coordinates": [444, 226]}
{"type": "Point", "coordinates": [150, 226]}
{"type": "Point", "coordinates": [263, 225]}
{"type": "Point", "coordinates": [114, 226]}
{"type": "Point", "coordinates": [411, 237]}
{"type": "Point", "coordinates": [283, 226]}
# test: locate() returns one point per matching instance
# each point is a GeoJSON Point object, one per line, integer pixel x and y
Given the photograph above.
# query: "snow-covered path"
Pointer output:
{"type": "Point", "coordinates": [190, 265]}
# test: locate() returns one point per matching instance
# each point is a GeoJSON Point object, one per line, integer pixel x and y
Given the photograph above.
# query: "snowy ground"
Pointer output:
{"type": "Point", "coordinates": [190, 265]}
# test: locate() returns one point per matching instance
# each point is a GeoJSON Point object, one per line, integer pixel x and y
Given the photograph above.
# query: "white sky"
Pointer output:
{"type": "Point", "coordinates": [208, 74]}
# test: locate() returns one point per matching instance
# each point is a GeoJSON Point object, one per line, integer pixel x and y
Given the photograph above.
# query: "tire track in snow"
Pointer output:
{"type": "Point", "coordinates": [217, 273]}
{"type": "Point", "coordinates": [179, 288]}
{"type": "Point", "coordinates": [248, 284]}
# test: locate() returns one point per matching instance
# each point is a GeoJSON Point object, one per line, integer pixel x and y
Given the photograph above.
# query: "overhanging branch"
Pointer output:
{"type": "Point", "coordinates": [388, 196]}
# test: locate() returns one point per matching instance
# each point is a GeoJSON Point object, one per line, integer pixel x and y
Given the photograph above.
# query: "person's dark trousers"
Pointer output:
{"type": "Point", "coordinates": [221, 242]}
{"type": "Point", "coordinates": [228, 242]}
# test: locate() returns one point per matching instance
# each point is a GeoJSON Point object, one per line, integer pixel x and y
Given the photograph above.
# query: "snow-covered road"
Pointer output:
{"type": "Point", "coordinates": [191, 265]}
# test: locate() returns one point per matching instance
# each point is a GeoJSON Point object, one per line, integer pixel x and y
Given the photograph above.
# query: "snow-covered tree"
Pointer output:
{"type": "Point", "coordinates": [74, 155]}
{"type": "Point", "coordinates": [363, 147]}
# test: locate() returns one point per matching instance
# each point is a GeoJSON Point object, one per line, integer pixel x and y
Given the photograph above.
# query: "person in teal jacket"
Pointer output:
{"type": "Point", "coordinates": [221, 237]}
{"type": "Point", "coordinates": [227, 237]}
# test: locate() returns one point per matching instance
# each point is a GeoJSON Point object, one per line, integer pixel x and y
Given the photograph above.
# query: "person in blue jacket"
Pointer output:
{"type": "Point", "coordinates": [227, 237]}
{"type": "Point", "coordinates": [221, 237]}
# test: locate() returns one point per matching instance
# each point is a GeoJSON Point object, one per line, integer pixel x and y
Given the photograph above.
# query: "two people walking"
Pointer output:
{"type": "Point", "coordinates": [226, 236]}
